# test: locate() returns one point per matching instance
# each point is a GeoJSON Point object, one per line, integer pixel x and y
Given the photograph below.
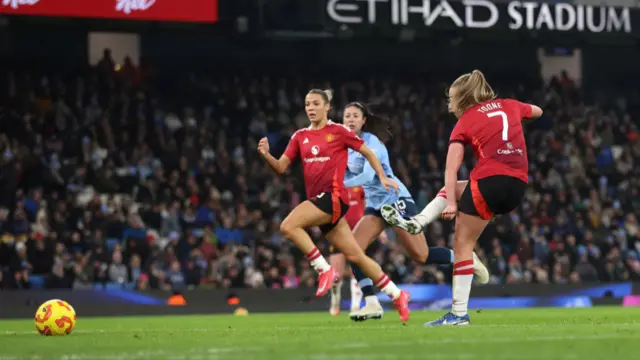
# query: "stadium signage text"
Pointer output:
{"type": "Point", "coordinates": [14, 4]}
{"type": "Point", "coordinates": [205, 11]}
{"type": "Point", "coordinates": [483, 14]}
{"type": "Point", "coordinates": [127, 6]}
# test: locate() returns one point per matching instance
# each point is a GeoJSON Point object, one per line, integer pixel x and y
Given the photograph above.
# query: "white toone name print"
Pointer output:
{"type": "Point", "coordinates": [127, 6]}
{"type": "Point", "coordinates": [14, 4]}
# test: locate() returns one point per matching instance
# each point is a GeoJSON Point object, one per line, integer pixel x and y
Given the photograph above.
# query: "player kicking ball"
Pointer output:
{"type": "Point", "coordinates": [372, 128]}
{"type": "Point", "coordinates": [493, 127]}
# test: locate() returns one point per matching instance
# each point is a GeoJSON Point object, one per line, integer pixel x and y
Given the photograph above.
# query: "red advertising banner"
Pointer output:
{"type": "Point", "coordinates": [204, 11]}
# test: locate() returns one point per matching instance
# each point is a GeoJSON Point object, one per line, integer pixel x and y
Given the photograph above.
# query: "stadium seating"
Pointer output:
{"type": "Point", "coordinates": [177, 193]}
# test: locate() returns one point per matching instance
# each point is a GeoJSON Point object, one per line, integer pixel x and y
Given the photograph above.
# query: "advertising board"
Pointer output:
{"type": "Point", "coordinates": [198, 11]}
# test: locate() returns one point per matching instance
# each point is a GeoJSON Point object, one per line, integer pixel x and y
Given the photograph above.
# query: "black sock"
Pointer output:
{"type": "Point", "coordinates": [366, 284]}
{"type": "Point", "coordinates": [439, 255]}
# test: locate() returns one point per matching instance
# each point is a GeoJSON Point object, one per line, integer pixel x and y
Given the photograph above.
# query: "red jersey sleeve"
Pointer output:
{"type": "Point", "coordinates": [525, 110]}
{"type": "Point", "coordinates": [458, 133]}
{"type": "Point", "coordinates": [293, 149]}
{"type": "Point", "coordinates": [350, 138]}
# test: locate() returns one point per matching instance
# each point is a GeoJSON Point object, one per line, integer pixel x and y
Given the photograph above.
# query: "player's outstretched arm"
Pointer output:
{"type": "Point", "coordinates": [377, 166]}
{"type": "Point", "coordinates": [536, 112]}
{"type": "Point", "coordinates": [364, 177]}
{"type": "Point", "coordinates": [278, 165]}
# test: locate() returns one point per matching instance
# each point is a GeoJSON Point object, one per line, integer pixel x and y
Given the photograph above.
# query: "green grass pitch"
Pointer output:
{"type": "Point", "coordinates": [545, 334]}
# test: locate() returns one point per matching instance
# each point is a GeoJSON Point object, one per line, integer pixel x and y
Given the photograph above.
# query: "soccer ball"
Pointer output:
{"type": "Point", "coordinates": [55, 318]}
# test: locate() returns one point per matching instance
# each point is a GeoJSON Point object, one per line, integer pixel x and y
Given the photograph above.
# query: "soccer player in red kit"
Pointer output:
{"type": "Point", "coordinates": [323, 149]}
{"type": "Point", "coordinates": [493, 128]}
{"type": "Point", "coordinates": [337, 261]}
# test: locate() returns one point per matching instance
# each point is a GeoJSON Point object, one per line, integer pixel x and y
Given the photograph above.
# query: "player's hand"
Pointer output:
{"type": "Point", "coordinates": [263, 146]}
{"type": "Point", "coordinates": [389, 184]}
{"type": "Point", "coordinates": [450, 211]}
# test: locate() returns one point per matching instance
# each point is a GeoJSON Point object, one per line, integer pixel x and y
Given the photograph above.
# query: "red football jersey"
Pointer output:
{"type": "Point", "coordinates": [494, 130]}
{"type": "Point", "coordinates": [356, 206]}
{"type": "Point", "coordinates": [324, 155]}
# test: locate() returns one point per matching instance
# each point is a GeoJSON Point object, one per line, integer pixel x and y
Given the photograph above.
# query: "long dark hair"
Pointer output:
{"type": "Point", "coordinates": [375, 124]}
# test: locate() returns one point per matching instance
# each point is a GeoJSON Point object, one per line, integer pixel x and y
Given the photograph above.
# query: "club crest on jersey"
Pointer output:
{"type": "Point", "coordinates": [329, 138]}
{"type": "Point", "coordinates": [315, 150]}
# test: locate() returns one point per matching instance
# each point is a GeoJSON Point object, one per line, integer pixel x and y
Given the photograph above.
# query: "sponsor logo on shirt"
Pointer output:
{"type": "Point", "coordinates": [510, 150]}
{"type": "Point", "coordinates": [315, 150]}
{"type": "Point", "coordinates": [317, 159]}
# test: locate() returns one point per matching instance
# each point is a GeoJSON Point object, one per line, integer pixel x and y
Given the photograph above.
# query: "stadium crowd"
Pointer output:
{"type": "Point", "coordinates": [117, 179]}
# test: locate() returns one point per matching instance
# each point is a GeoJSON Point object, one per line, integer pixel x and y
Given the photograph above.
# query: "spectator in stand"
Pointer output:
{"type": "Point", "coordinates": [112, 177]}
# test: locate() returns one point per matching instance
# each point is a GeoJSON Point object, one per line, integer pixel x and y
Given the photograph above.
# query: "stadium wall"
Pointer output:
{"type": "Point", "coordinates": [98, 302]}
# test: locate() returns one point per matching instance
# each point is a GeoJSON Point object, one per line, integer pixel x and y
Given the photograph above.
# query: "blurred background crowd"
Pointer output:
{"type": "Point", "coordinates": [132, 178]}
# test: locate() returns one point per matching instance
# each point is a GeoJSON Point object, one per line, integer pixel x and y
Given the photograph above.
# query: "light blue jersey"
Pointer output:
{"type": "Point", "coordinates": [360, 173]}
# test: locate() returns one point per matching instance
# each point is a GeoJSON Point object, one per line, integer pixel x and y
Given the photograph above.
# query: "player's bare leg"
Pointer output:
{"type": "Point", "coordinates": [467, 232]}
{"type": "Point", "coordinates": [293, 227]}
{"type": "Point", "coordinates": [337, 262]}
{"type": "Point", "coordinates": [416, 246]}
{"type": "Point", "coordinates": [342, 238]}
{"type": "Point", "coordinates": [366, 232]}
{"type": "Point", "coordinates": [415, 226]}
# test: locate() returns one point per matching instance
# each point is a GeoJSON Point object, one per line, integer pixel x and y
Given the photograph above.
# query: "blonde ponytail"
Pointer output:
{"type": "Point", "coordinates": [329, 94]}
{"type": "Point", "coordinates": [470, 89]}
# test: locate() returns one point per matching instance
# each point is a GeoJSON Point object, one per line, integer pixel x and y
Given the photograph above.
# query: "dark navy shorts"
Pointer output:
{"type": "Point", "coordinates": [405, 206]}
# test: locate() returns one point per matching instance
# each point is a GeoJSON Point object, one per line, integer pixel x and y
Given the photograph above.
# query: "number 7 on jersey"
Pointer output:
{"type": "Point", "coordinates": [505, 123]}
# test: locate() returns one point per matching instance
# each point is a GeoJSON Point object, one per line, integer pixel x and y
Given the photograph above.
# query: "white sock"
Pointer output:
{"type": "Point", "coordinates": [337, 287]}
{"type": "Point", "coordinates": [356, 294]}
{"type": "Point", "coordinates": [318, 262]}
{"type": "Point", "coordinates": [388, 287]}
{"type": "Point", "coordinates": [462, 278]}
{"type": "Point", "coordinates": [371, 300]}
{"type": "Point", "coordinates": [336, 293]}
{"type": "Point", "coordinates": [433, 210]}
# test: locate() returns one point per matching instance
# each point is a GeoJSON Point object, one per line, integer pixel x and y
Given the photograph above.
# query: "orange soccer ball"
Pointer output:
{"type": "Point", "coordinates": [55, 318]}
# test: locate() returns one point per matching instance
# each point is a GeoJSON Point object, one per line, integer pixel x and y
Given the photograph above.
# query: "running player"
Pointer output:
{"type": "Point", "coordinates": [336, 260]}
{"type": "Point", "coordinates": [360, 173]}
{"type": "Point", "coordinates": [493, 127]}
{"type": "Point", "coordinates": [322, 148]}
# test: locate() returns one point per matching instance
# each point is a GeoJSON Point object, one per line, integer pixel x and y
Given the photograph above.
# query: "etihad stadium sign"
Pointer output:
{"type": "Point", "coordinates": [483, 14]}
